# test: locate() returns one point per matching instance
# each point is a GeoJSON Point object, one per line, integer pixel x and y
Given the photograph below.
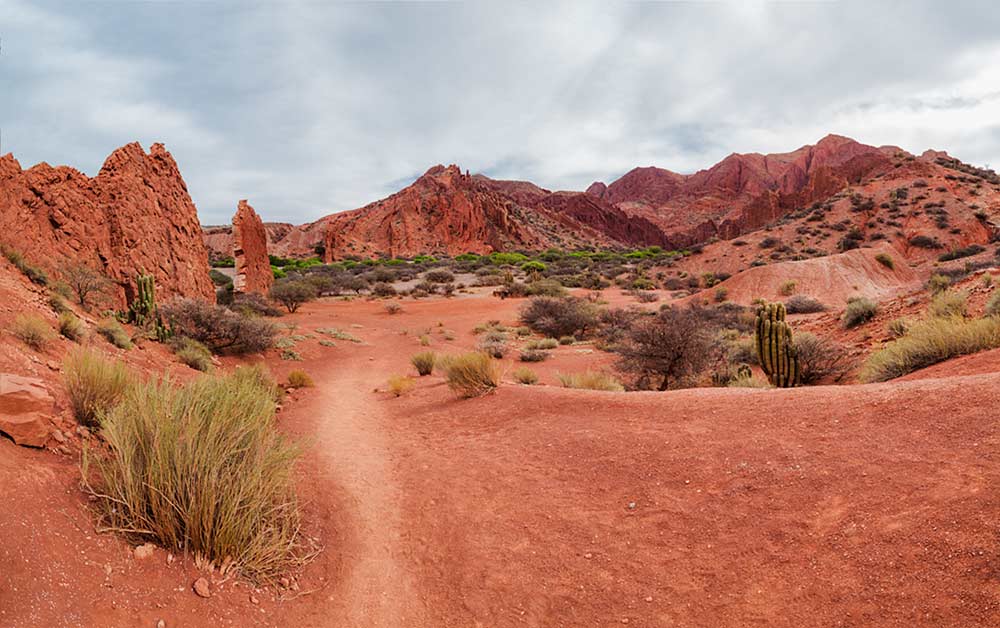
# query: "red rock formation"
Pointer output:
{"type": "Point", "coordinates": [26, 410]}
{"type": "Point", "coordinates": [253, 269]}
{"type": "Point", "coordinates": [135, 216]}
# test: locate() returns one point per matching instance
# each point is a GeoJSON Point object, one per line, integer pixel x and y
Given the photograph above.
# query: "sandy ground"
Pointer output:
{"type": "Point", "coordinates": [540, 506]}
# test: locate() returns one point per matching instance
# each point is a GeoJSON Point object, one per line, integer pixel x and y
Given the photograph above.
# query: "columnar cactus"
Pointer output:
{"type": "Point", "coordinates": [774, 346]}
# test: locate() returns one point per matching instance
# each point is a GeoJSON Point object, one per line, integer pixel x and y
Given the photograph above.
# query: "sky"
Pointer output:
{"type": "Point", "coordinates": [311, 108]}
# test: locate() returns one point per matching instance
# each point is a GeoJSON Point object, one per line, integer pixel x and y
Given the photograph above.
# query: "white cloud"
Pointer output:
{"type": "Point", "coordinates": [308, 108]}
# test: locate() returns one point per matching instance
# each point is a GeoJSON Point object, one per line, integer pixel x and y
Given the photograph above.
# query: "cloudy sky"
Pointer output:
{"type": "Point", "coordinates": [312, 108]}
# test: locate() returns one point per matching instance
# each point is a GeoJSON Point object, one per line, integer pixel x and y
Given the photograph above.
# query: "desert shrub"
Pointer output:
{"type": "Point", "coordinates": [966, 251]}
{"type": "Point", "coordinates": [859, 310]}
{"type": "Point", "coordinates": [219, 278]}
{"type": "Point", "coordinates": [252, 303]}
{"type": "Point", "coordinates": [721, 294]}
{"type": "Point", "coordinates": [555, 317]}
{"type": "Point", "coordinates": [200, 468]}
{"type": "Point", "coordinates": [472, 374]}
{"type": "Point", "coordinates": [382, 289]}
{"type": "Point", "coordinates": [297, 378]}
{"type": "Point", "coordinates": [533, 355]}
{"type": "Point", "coordinates": [35, 274]}
{"type": "Point", "coordinates": [541, 343]}
{"type": "Point", "coordinates": [769, 242]}
{"type": "Point", "coordinates": [494, 344]}
{"type": "Point", "coordinates": [567, 340]}
{"type": "Point", "coordinates": [58, 303]}
{"type": "Point", "coordinates": [947, 303]}
{"type": "Point", "coordinates": [787, 288]}
{"type": "Point", "coordinates": [393, 308]}
{"type": "Point", "coordinates": [218, 328]}
{"type": "Point", "coordinates": [33, 331]}
{"type": "Point", "coordinates": [113, 332]}
{"type": "Point", "coordinates": [543, 288]}
{"type": "Point", "coordinates": [741, 350]}
{"type": "Point", "coordinates": [925, 242]}
{"type": "Point", "coordinates": [614, 325]}
{"type": "Point", "coordinates": [667, 347]}
{"type": "Point", "coordinates": [898, 327]}
{"type": "Point", "coordinates": [72, 327]}
{"type": "Point", "coordinates": [85, 282]}
{"type": "Point", "coordinates": [752, 381]}
{"type": "Point", "coordinates": [292, 293]}
{"type": "Point", "coordinates": [94, 384]}
{"type": "Point", "coordinates": [439, 276]}
{"type": "Point", "coordinates": [524, 375]}
{"type": "Point", "coordinates": [820, 358]}
{"type": "Point", "coordinates": [802, 304]}
{"type": "Point", "coordinates": [192, 353]}
{"type": "Point", "coordinates": [938, 283]}
{"type": "Point", "coordinates": [929, 342]}
{"type": "Point", "coordinates": [993, 305]}
{"type": "Point", "coordinates": [885, 260]}
{"type": "Point", "coordinates": [590, 380]}
{"type": "Point", "coordinates": [424, 362]}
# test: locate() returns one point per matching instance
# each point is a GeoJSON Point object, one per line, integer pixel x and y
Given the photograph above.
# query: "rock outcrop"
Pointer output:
{"type": "Point", "coordinates": [253, 269]}
{"type": "Point", "coordinates": [135, 216]}
{"type": "Point", "coordinates": [26, 410]}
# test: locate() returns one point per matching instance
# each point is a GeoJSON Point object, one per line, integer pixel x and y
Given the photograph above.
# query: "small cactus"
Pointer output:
{"type": "Point", "coordinates": [775, 350]}
{"type": "Point", "coordinates": [743, 371]}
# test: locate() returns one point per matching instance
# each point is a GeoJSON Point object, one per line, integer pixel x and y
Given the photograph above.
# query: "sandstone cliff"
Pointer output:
{"type": "Point", "coordinates": [135, 216]}
{"type": "Point", "coordinates": [253, 269]}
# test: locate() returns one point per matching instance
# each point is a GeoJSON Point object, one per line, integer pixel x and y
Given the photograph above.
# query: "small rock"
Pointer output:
{"type": "Point", "coordinates": [161, 624]}
{"type": "Point", "coordinates": [253, 599]}
{"type": "Point", "coordinates": [588, 555]}
{"type": "Point", "coordinates": [649, 598]}
{"type": "Point", "coordinates": [201, 588]}
{"type": "Point", "coordinates": [631, 505]}
{"type": "Point", "coordinates": [143, 551]}
{"type": "Point", "coordinates": [59, 436]}
{"type": "Point", "coordinates": [284, 582]}
{"type": "Point", "coordinates": [170, 558]}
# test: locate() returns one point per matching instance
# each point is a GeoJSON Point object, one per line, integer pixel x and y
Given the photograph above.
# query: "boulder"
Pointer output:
{"type": "Point", "coordinates": [26, 410]}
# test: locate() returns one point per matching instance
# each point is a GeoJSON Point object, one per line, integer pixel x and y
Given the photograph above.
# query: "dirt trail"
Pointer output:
{"type": "Point", "coordinates": [377, 589]}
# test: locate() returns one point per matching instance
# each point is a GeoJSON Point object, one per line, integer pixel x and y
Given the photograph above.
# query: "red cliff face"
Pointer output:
{"type": "Point", "coordinates": [135, 216]}
{"type": "Point", "coordinates": [253, 268]}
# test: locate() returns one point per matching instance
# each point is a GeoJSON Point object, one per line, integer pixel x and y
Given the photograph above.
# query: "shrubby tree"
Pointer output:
{"type": "Point", "coordinates": [661, 350]}
{"type": "Point", "coordinates": [292, 293]}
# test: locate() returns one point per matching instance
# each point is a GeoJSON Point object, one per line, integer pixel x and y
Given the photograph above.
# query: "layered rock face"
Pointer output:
{"type": "Point", "coordinates": [135, 216]}
{"type": "Point", "coordinates": [253, 269]}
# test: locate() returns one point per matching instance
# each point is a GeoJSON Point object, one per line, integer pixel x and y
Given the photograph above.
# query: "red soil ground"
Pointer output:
{"type": "Point", "coordinates": [540, 506]}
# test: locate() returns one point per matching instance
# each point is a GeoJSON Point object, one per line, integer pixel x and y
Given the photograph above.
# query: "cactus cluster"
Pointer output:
{"type": "Point", "coordinates": [143, 311]}
{"type": "Point", "coordinates": [775, 350]}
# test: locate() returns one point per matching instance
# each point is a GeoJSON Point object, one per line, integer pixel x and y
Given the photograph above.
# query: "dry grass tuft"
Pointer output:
{"type": "Point", "coordinates": [33, 331]}
{"type": "Point", "coordinates": [299, 379]}
{"type": "Point", "coordinates": [114, 333]}
{"type": "Point", "coordinates": [72, 327]}
{"type": "Point", "coordinates": [200, 468]}
{"type": "Point", "coordinates": [94, 384]}
{"type": "Point", "coordinates": [400, 384]}
{"type": "Point", "coordinates": [472, 374]}
{"type": "Point", "coordinates": [524, 375]}
{"type": "Point", "coordinates": [591, 380]}
{"type": "Point", "coordinates": [424, 362]}
{"type": "Point", "coordinates": [929, 342]}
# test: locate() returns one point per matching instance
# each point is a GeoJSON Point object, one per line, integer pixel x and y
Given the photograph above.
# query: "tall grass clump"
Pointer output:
{"type": "Point", "coordinates": [590, 380]}
{"type": "Point", "coordinates": [114, 333]}
{"type": "Point", "coordinates": [94, 384]}
{"type": "Point", "coordinates": [424, 362]}
{"type": "Point", "coordinates": [72, 327]}
{"type": "Point", "coordinates": [929, 342]}
{"type": "Point", "coordinates": [298, 378]}
{"type": "Point", "coordinates": [200, 468]}
{"type": "Point", "coordinates": [472, 374]}
{"type": "Point", "coordinates": [948, 303]}
{"type": "Point", "coordinates": [192, 353]}
{"type": "Point", "coordinates": [524, 375]}
{"type": "Point", "coordinates": [33, 331]}
{"type": "Point", "coordinates": [400, 384]}
{"type": "Point", "coordinates": [859, 310]}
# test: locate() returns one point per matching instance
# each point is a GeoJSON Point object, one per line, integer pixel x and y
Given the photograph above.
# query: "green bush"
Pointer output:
{"type": "Point", "coordinates": [859, 310]}
{"type": "Point", "coordinates": [555, 317]}
{"type": "Point", "coordinates": [94, 384]}
{"type": "Point", "coordinates": [201, 469]}
{"type": "Point", "coordinates": [292, 293]}
{"type": "Point", "coordinates": [33, 331]}
{"type": "Point", "coordinates": [929, 342]}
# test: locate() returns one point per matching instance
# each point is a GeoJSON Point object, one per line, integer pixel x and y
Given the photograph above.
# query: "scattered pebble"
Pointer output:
{"type": "Point", "coordinates": [588, 555]}
{"type": "Point", "coordinates": [144, 551]}
{"type": "Point", "coordinates": [201, 588]}
{"type": "Point", "coordinates": [161, 624]}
